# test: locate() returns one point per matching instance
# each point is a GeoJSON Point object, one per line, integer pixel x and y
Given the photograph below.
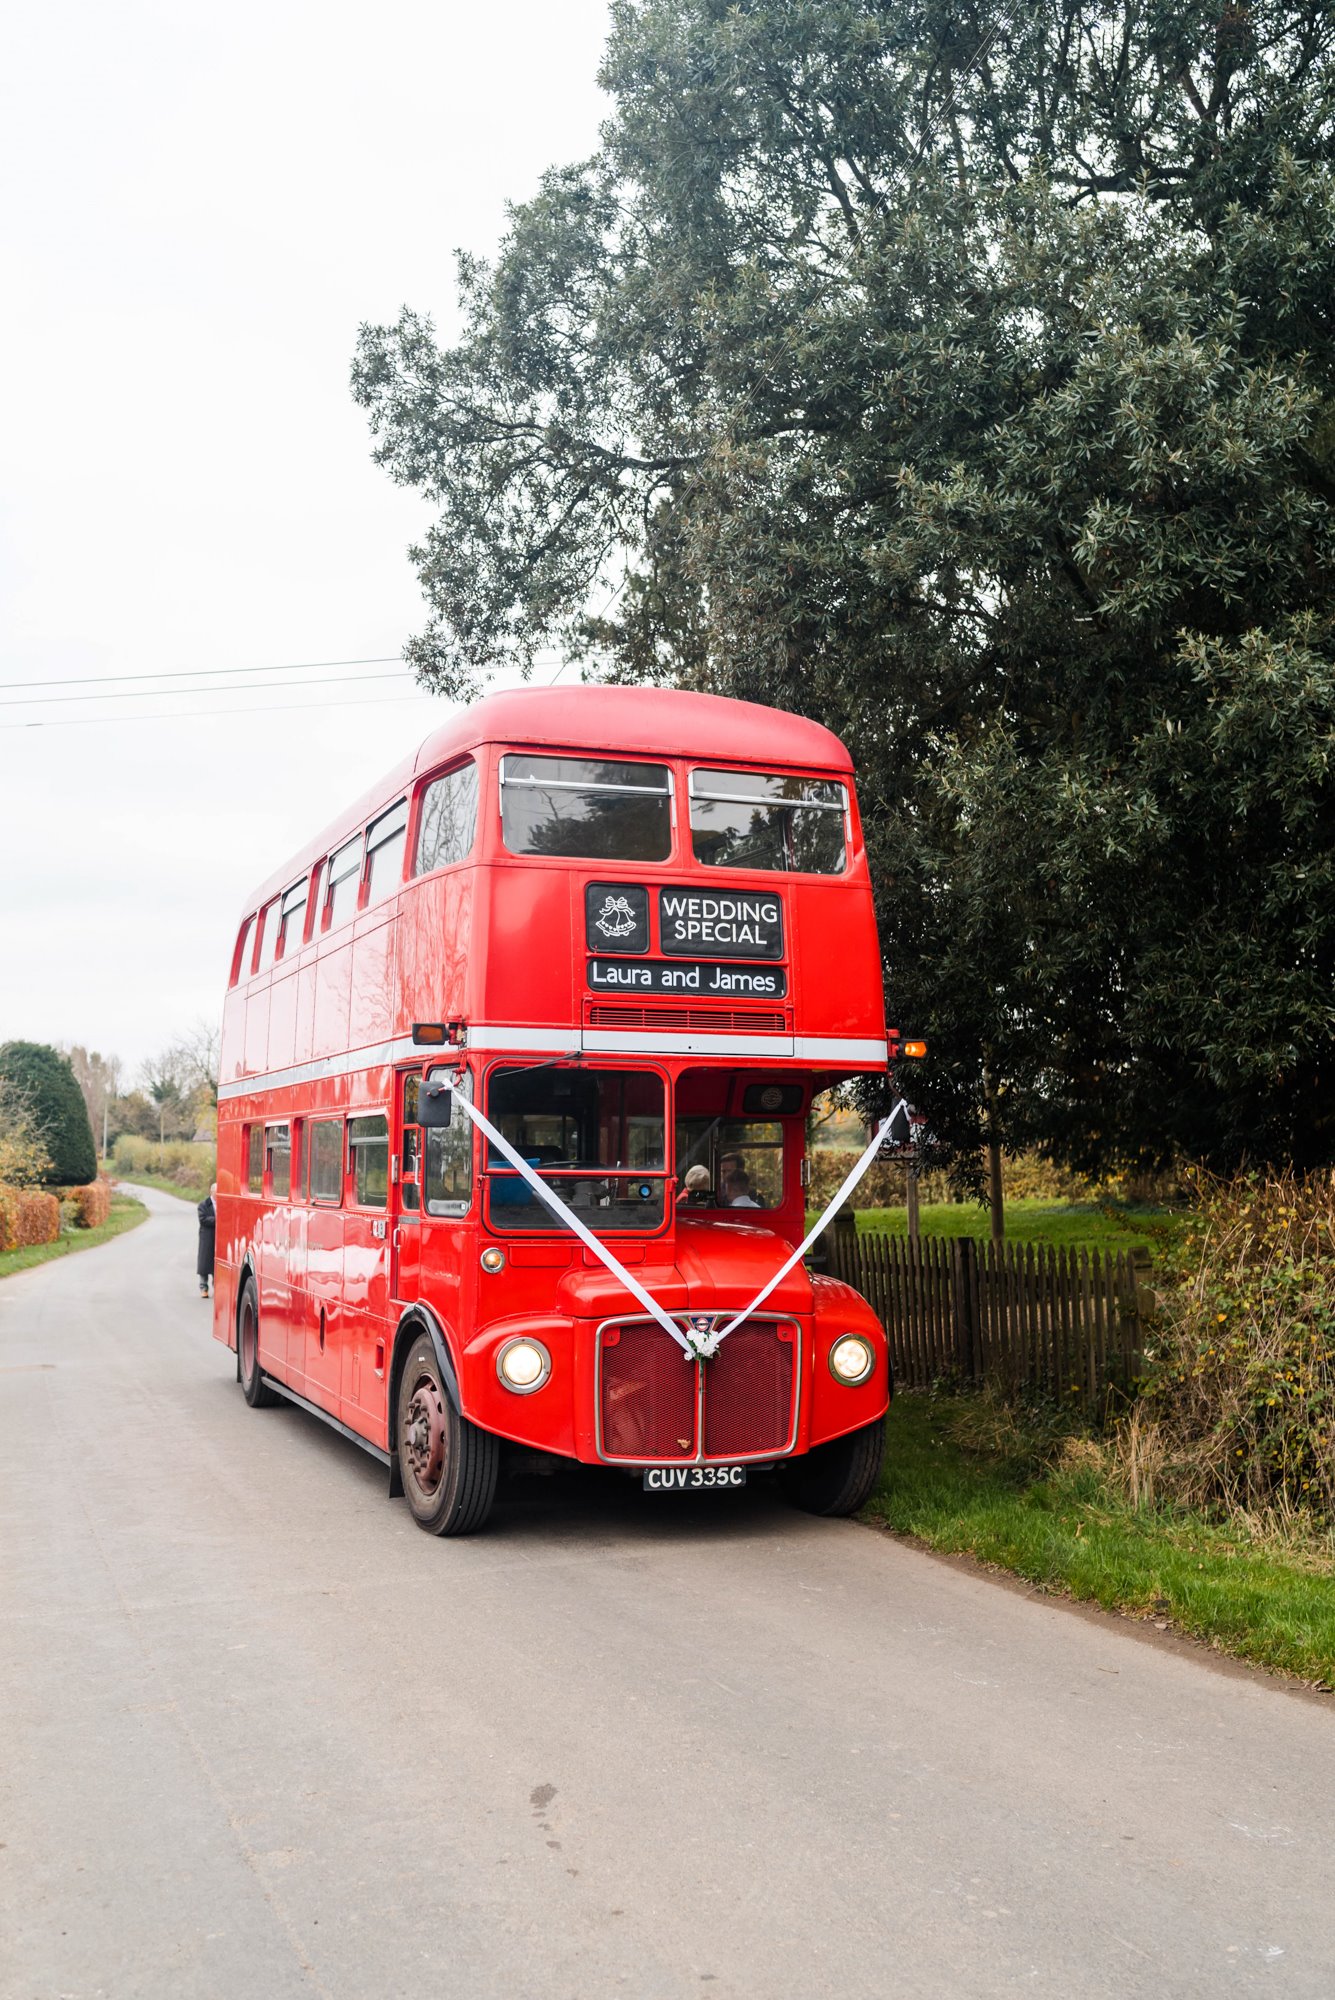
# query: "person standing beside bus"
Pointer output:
{"type": "Point", "coordinates": [208, 1236]}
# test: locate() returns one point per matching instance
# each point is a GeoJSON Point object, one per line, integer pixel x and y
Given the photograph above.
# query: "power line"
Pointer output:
{"type": "Point", "coordinates": [177, 694]}
{"type": "Point", "coordinates": [195, 673]}
{"type": "Point", "coordinates": [200, 715]}
{"type": "Point", "coordinates": [218, 673]}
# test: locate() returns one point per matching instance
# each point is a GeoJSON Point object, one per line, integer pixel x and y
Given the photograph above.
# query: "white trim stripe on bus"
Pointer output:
{"type": "Point", "coordinates": [550, 1041]}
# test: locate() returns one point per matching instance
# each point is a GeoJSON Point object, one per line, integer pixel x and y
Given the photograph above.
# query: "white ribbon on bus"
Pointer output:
{"type": "Point", "coordinates": [694, 1349]}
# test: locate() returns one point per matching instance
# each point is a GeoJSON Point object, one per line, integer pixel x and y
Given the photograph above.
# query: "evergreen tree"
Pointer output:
{"type": "Point", "coordinates": [965, 377]}
{"type": "Point", "coordinates": [42, 1080]}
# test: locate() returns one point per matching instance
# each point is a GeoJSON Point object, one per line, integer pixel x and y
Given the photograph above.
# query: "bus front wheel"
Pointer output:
{"type": "Point", "coordinates": [839, 1477]}
{"type": "Point", "coordinates": [253, 1385]}
{"type": "Point", "coordinates": [448, 1465]}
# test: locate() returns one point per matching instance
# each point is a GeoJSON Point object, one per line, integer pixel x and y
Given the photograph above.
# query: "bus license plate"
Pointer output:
{"type": "Point", "coordinates": [692, 1478]}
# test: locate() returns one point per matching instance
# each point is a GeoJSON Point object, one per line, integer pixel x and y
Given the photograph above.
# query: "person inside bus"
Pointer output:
{"type": "Point", "coordinates": [695, 1191]}
{"type": "Point", "coordinates": [737, 1190]}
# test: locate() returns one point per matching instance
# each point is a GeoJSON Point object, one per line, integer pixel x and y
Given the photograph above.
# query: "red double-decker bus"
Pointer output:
{"type": "Point", "coordinates": [517, 1059]}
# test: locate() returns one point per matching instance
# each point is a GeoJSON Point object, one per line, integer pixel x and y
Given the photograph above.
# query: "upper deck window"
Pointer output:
{"type": "Point", "coordinates": [245, 944]}
{"type": "Point", "coordinates": [343, 882]}
{"type": "Point", "coordinates": [385, 840]}
{"type": "Point", "coordinates": [576, 806]}
{"type": "Point", "coordinates": [269, 923]}
{"type": "Point", "coordinates": [293, 926]}
{"type": "Point", "coordinates": [449, 819]}
{"type": "Point", "coordinates": [744, 819]}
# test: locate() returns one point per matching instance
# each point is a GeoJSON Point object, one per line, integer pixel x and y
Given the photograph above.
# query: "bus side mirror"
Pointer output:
{"type": "Point", "coordinates": [435, 1106]}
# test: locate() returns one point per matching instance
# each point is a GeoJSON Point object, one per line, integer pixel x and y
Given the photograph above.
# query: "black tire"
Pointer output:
{"type": "Point", "coordinates": [836, 1478]}
{"type": "Point", "coordinates": [253, 1385]}
{"type": "Point", "coordinates": [448, 1466]}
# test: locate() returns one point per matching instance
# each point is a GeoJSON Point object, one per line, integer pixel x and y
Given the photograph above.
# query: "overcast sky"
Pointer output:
{"type": "Point", "coordinates": [201, 205]}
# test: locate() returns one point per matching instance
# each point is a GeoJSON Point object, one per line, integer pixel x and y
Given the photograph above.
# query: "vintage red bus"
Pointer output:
{"type": "Point", "coordinates": [631, 930]}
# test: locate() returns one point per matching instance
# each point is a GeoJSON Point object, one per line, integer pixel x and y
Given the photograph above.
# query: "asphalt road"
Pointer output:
{"type": "Point", "coordinates": [262, 1737]}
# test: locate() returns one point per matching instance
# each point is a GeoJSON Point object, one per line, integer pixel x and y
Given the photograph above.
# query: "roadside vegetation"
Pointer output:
{"type": "Point", "coordinates": [180, 1167]}
{"type": "Point", "coordinates": [126, 1213]}
{"type": "Point", "coordinates": [966, 1475]}
{"type": "Point", "coordinates": [1207, 1500]}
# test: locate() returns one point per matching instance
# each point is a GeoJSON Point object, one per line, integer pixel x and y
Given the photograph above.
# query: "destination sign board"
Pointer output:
{"type": "Point", "coordinates": [701, 979]}
{"type": "Point", "coordinates": [727, 926]}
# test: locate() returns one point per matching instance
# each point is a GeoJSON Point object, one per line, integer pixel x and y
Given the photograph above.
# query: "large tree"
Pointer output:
{"type": "Point", "coordinates": [40, 1080]}
{"type": "Point", "coordinates": [964, 376]}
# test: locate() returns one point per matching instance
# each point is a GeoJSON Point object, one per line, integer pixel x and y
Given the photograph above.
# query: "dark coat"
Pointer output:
{"type": "Point", "coordinates": [208, 1231]}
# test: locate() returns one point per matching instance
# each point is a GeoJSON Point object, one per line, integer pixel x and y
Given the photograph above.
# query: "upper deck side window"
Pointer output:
{"type": "Point", "coordinates": [747, 819]}
{"type": "Point", "coordinates": [270, 920]}
{"type": "Point", "coordinates": [292, 922]}
{"type": "Point", "coordinates": [447, 825]}
{"type": "Point", "coordinates": [245, 944]}
{"type": "Point", "coordinates": [386, 839]}
{"type": "Point", "coordinates": [582, 806]}
{"type": "Point", "coordinates": [342, 882]}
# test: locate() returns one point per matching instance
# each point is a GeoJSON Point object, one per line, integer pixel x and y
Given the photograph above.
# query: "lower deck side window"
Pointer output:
{"type": "Point", "coordinates": [448, 1185]}
{"type": "Point", "coordinates": [278, 1145]}
{"type": "Point", "coordinates": [325, 1154]}
{"type": "Point", "coordinates": [368, 1145]}
{"type": "Point", "coordinates": [254, 1159]}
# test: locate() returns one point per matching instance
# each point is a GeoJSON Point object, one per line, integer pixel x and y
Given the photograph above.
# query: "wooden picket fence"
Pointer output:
{"type": "Point", "coordinates": [1067, 1322]}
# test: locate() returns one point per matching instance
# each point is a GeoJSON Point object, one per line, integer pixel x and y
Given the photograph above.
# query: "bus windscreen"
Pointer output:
{"type": "Point", "coordinates": [597, 1137]}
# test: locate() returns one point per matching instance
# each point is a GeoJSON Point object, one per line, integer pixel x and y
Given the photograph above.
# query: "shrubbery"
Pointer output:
{"type": "Point", "coordinates": [27, 1216]}
{"type": "Point", "coordinates": [44, 1083]}
{"type": "Point", "coordinates": [1025, 1177]}
{"type": "Point", "coordinates": [189, 1164]}
{"type": "Point", "coordinates": [1238, 1404]}
{"type": "Point", "coordinates": [92, 1204]}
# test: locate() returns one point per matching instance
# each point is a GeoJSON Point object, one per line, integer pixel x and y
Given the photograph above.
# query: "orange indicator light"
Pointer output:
{"type": "Point", "coordinates": [914, 1049]}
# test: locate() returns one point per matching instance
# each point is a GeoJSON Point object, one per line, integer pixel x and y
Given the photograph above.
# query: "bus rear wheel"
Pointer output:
{"type": "Point", "coordinates": [839, 1477]}
{"type": "Point", "coordinates": [253, 1385]}
{"type": "Point", "coordinates": [448, 1465]}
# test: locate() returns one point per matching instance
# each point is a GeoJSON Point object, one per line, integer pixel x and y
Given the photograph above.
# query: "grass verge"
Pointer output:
{"type": "Point", "coordinates": [194, 1195]}
{"type": "Point", "coordinates": [126, 1212]}
{"type": "Point", "coordinates": [1103, 1227]}
{"type": "Point", "coordinates": [1054, 1521]}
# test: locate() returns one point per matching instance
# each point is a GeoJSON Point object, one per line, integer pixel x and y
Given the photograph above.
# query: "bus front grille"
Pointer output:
{"type": "Point", "coordinates": [648, 1394]}
{"type": "Point", "coordinates": [749, 1388]}
{"type": "Point", "coordinates": [696, 1020]}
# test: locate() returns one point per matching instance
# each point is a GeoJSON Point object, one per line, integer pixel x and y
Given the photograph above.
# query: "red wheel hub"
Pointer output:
{"type": "Point", "coordinates": [423, 1443]}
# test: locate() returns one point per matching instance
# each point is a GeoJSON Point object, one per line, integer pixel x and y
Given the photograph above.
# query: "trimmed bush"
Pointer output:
{"type": "Point", "coordinates": [27, 1217]}
{"type": "Point", "coordinates": [44, 1081]}
{"type": "Point", "coordinates": [92, 1204]}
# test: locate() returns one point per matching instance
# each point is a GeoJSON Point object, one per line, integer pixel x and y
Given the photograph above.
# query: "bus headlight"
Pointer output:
{"type": "Point", "coordinates": [852, 1359]}
{"type": "Point", "coordinates": [523, 1365]}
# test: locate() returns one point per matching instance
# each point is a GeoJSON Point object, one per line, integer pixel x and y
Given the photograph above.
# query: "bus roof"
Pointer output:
{"type": "Point", "coordinates": [639, 721]}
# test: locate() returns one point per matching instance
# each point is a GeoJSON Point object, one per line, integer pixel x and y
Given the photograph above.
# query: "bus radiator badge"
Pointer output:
{"type": "Point", "coordinates": [700, 1330]}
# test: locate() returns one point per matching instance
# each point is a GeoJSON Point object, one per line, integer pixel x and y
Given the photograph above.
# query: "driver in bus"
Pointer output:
{"type": "Point", "coordinates": [737, 1190]}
